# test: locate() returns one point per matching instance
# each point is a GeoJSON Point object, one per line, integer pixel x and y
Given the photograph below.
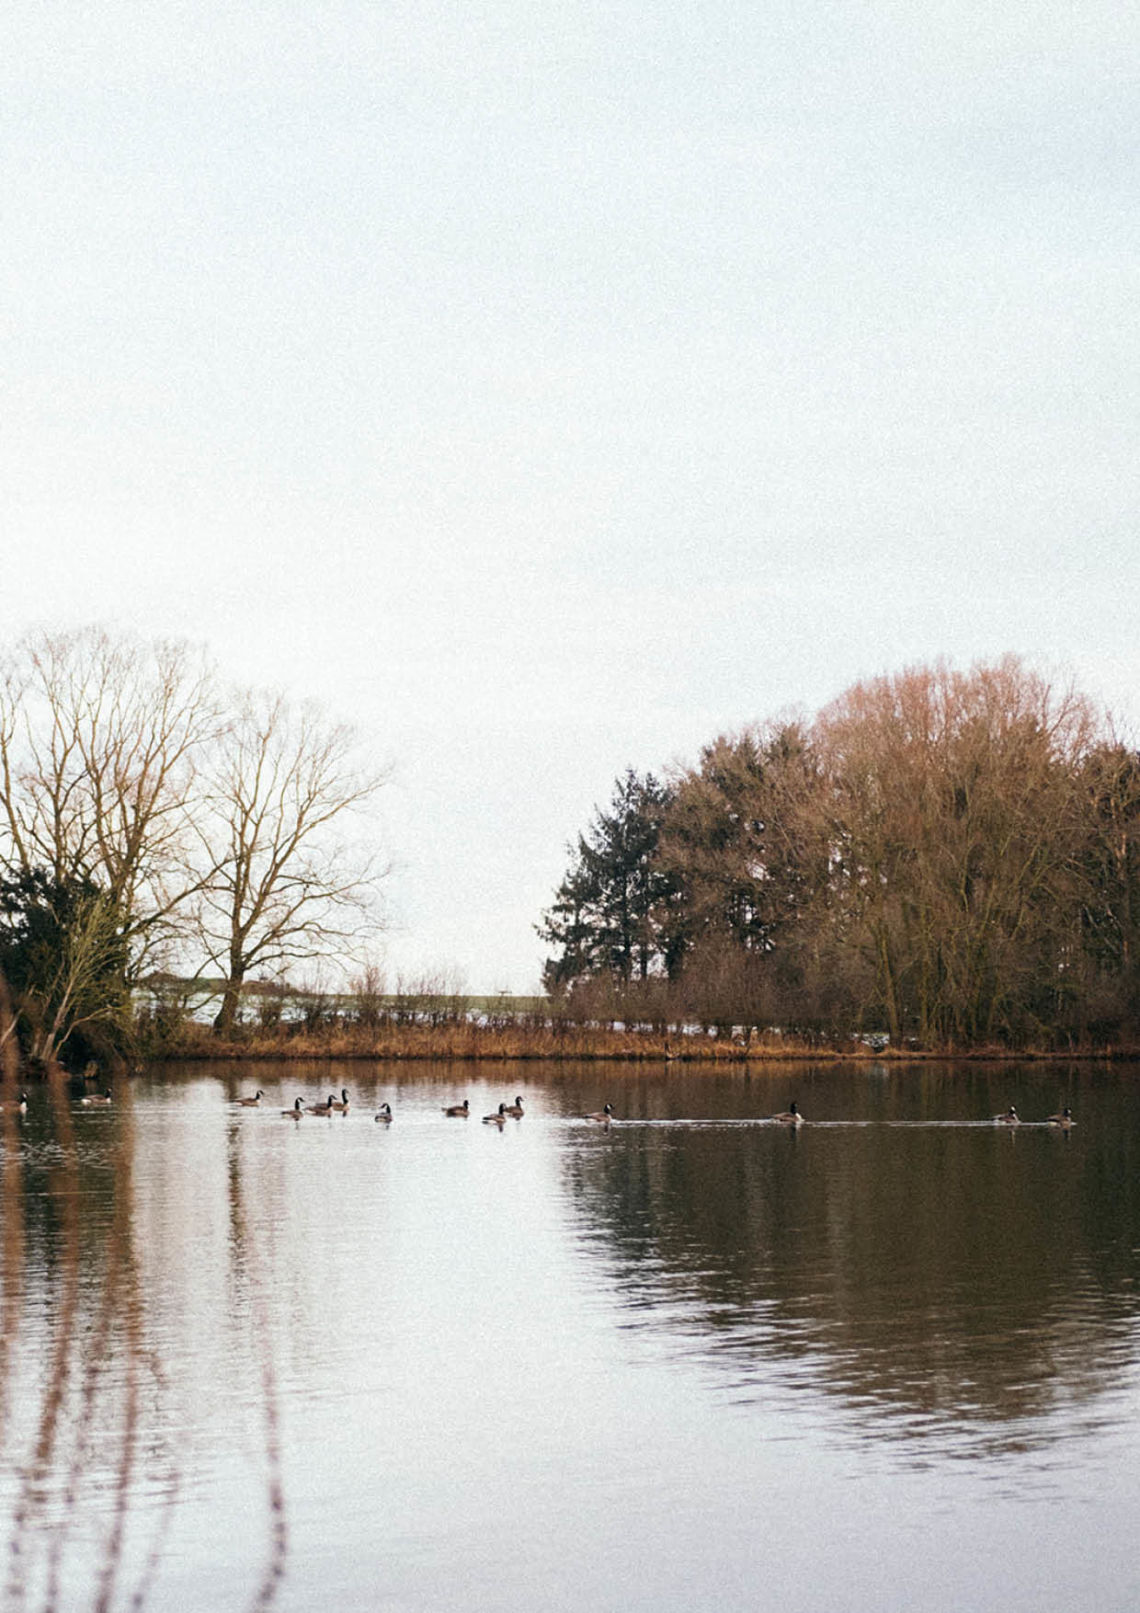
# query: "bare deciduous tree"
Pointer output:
{"type": "Point", "coordinates": [956, 815]}
{"type": "Point", "coordinates": [369, 990]}
{"type": "Point", "coordinates": [101, 739]}
{"type": "Point", "coordinates": [286, 883]}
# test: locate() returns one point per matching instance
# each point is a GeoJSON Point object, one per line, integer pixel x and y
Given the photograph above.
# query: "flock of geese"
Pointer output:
{"type": "Point", "coordinates": [454, 1111]}
{"type": "Point", "coordinates": [790, 1116]}
{"type": "Point", "coordinates": [1064, 1120]}
{"type": "Point", "coordinates": [333, 1105]}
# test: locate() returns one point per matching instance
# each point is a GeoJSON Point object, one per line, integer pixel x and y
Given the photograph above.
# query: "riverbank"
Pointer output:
{"type": "Point", "coordinates": [459, 1040]}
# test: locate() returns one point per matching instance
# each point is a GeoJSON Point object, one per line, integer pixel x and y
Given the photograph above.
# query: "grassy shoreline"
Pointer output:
{"type": "Point", "coordinates": [535, 1043]}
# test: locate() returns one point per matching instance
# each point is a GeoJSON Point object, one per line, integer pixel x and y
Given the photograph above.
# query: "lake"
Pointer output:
{"type": "Point", "coordinates": [692, 1359]}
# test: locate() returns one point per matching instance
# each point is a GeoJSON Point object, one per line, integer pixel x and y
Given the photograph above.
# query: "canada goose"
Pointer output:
{"type": "Point", "coordinates": [459, 1110]}
{"type": "Point", "coordinates": [1010, 1118]}
{"type": "Point", "coordinates": [20, 1105]}
{"type": "Point", "coordinates": [385, 1114]}
{"type": "Point", "coordinates": [343, 1104]}
{"type": "Point", "coordinates": [252, 1103]}
{"type": "Point", "coordinates": [515, 1110]}
{"type": "Point", "coordinates": [296, 1111]}
{"type": "Point", "coordinates": [94, 1098]}
{"type": "Point", "coordinates": [1064, 1119]}
{"type": "Point", "coordinates": [602, 1116]}
{"type": "Point", "coordinates": [790, 1117]}
{"type": "Point", "coordinates": [325, 1108]}
{"type": "Point", "coordinates": [496, 1119]}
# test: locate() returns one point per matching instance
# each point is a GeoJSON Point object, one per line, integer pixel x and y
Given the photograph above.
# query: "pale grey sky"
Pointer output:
{"type": "Point", "coordinates": [546, 389]}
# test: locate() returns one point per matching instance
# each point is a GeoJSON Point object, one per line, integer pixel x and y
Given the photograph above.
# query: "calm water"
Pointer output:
{"type": "Point", "coordinates": [689, 1361]}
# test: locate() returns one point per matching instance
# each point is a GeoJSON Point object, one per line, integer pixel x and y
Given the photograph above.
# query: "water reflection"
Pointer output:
{"type": "Point", "coordinates": [94, 1438]}
{"type": "Point", "coordinates": [952, 1284]}
{"type": "Point", "coordinates": [77, 1366]}
{"type": "Point", "coordinates": [255, 1364]}
{"type": "Point", "coordinates": [245, 1288]}
{"type": "Point", "coordinates": [11, 1203]}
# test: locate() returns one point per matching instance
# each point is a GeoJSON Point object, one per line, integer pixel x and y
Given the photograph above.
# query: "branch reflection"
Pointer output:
{"type": "Point", "coordinates": [93, 1442]}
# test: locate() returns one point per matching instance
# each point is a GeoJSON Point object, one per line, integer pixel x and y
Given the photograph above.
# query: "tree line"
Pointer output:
{"type": "Point", "coordinates": [949, 859]}
{"type": "Point", "coordinates": [152, 817]}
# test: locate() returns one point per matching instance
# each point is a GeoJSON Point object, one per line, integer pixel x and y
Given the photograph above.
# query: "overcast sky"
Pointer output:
{"type": "Point", "coordinates": [548, 388]}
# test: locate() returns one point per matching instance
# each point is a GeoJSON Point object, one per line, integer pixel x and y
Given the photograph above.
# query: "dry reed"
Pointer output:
{"type": "Point", "coordinates": [465, 1040]}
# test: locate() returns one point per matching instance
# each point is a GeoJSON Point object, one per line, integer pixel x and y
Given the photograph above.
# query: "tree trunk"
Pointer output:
{"type": "Point", "coordinates": [227, 1013]}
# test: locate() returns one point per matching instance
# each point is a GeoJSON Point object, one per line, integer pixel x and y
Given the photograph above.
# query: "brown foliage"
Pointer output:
{"type": "Point", "coordinates": [950, 857]}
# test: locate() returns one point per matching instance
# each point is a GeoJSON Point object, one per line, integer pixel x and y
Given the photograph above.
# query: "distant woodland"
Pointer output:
{"type": "Point", "coordinates": [947, 859]}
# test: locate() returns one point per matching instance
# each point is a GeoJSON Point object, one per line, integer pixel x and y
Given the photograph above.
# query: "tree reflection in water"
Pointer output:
{"type": "Point", "coordinates": [11, 1203]}
{"type": "Point", "coordinates": [954, 1288]}
{"type": "Point", "coordinates": [84, 1424]}
{"type": "Point", "coordinates": [264, 1351]}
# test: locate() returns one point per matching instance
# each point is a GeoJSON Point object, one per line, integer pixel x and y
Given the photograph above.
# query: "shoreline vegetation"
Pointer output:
{"type": "Point", "coordinates": [938, 864]}
{"type": "Point", "coordinates": [548, 1043]}
{"type": "Point", "coordinates": [947, 860]}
